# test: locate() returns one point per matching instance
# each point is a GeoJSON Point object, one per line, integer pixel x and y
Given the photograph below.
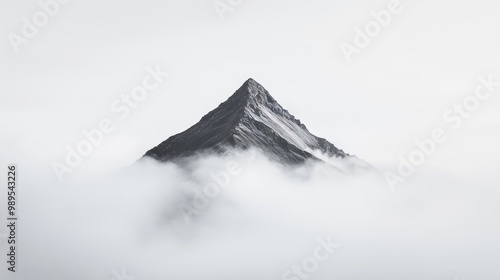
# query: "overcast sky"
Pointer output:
{"type": "Point", "coordinates": [67, 76]}
{"type": "Point", "coordinates": [394, 91]}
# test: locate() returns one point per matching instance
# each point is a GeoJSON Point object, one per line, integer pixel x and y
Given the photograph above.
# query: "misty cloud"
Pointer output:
{"type": "Point", "coordinates": [266, 220]}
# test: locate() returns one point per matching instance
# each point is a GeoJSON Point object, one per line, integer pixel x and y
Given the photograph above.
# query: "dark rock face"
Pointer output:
{"type": "Point", "coordinates": [250, 118]}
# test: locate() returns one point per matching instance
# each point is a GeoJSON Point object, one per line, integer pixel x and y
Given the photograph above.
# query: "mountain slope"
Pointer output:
{"type": "Point", "coordinates": [250, 118]}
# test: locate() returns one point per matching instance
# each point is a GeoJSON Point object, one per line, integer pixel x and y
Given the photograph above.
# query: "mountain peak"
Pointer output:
{"type": "Point", "coordinates": [250, 118]}
{"type": "Point", "coordinates": [254, 93]}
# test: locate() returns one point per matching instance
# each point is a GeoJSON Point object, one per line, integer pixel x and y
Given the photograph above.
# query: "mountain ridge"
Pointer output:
{"type": "Point", "coordinates": [249, 118]}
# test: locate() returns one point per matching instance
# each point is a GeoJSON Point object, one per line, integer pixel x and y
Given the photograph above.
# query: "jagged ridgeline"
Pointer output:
{"type": "Point", "coordinates": [250, 118]}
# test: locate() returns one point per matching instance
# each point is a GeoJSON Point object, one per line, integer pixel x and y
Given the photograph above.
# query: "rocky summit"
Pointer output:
{"type": "Point", "coordinates": [250, 118]}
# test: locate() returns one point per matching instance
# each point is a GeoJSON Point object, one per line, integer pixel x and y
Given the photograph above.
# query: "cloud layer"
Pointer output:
{"type": "Point", "coordinates": [263, 221]}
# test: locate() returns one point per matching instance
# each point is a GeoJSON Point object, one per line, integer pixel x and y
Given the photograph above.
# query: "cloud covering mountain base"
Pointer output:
{"type": "Point", "coordinates": [261, 223]}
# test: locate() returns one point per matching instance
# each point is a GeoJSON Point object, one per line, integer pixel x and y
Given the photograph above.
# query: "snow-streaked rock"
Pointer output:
{"type": "Point", "coordinates": [251, 118]}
